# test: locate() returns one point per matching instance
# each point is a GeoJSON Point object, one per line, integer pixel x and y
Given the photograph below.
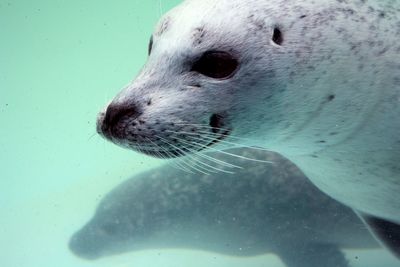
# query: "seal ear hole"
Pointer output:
{"type": "Point", "coordinates": [277, 36]}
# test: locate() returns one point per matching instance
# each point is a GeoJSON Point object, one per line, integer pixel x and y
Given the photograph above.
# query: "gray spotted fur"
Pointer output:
{"type": "Point", "coordinates": [327, 97]}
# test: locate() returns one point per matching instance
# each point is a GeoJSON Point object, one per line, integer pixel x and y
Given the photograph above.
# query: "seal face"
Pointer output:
{"type": "Point", "coordinates": [189, 61]}
{"type": "Point", "coordinates": [317, 81]}
{"type": "Point", "coordinates": [259, 209]}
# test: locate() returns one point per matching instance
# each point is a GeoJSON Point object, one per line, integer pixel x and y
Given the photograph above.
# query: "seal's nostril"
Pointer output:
{"type": "Point", "coordinates": [116, 111]}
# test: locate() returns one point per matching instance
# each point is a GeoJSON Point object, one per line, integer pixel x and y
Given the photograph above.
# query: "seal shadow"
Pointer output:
{"type": "Point", "coordinates": [262, 208]}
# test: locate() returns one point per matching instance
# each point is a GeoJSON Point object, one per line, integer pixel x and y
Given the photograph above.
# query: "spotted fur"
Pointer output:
{"type": "Point", "coordinates": [327, 97]}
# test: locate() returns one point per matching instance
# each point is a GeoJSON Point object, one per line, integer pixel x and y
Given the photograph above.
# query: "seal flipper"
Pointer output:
{"type": "Point", "coordinates": [388, 233]}
{"type": "Point", "coordinates": [313, 255]}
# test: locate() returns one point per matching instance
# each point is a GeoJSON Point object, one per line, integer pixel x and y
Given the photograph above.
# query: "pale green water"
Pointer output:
{"type": "Point", "coordinates": [60, 62]}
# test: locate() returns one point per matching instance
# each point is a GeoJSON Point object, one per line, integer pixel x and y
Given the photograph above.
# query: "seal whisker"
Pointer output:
{"type": "Point", "coordinates": [91, 137]}
{"type": "Point", "coordinates": [224, 152]}
{"type": "Point", "coordinates": [202, 146]}
{"type": "Point", "coordinates": [142, 148]}
{"type": "Point", "coordinates": [206, 156]}
{"type": "Point", "coordinates": [202, 126]}
{"type": "Point", "coordinates": [211, 159]}
{"type": "Point", "coordinates": [196, 153]}
{"type": "Point", "coordinates": [139, 148]}
{"type": "Point", "coordinates": [233, 155]}
{"type": "Point", "coordinates": [181, 163]}
{"type": "Point", "coordinates": [174, 164]}
{"type": "Point", "coordinates": [212, 136]}
{"type": "Point", "coordinates": [156, 149]}
{"type": "Point", "coordinates": [195, 165]}
{"type": "Point", "coordinates": [221, 129]}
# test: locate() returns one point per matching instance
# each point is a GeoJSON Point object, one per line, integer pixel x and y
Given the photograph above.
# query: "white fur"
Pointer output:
{"type": "Point", "coordinates": [334, 86]}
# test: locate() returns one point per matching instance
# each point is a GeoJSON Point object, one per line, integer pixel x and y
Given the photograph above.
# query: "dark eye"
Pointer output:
{"type": "Point", "coordinates": [150, 45]}
{"type": "Point", "coordinates": [216, 64]}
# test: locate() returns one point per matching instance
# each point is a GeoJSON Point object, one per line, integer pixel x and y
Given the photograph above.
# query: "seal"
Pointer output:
{"type": "Point", "coordinates": [259, 209]}
{"type": "Point", "coordinates": [316, 81]}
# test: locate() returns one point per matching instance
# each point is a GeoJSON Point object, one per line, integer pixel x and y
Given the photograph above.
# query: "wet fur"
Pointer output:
{"type": "Point", "coordinates": [327, 97]}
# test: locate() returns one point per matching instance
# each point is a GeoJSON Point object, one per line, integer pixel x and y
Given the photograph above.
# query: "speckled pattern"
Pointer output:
{"type": "Point", "coordinates": [326, 95]}
{"type": "Point", "coordinates": [259, 209]}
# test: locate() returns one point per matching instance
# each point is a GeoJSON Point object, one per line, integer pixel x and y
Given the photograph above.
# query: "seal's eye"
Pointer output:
{"type": "Point", "coordinates": [216, 64]}
{"type": "Point", "coordinates": [150, 44]}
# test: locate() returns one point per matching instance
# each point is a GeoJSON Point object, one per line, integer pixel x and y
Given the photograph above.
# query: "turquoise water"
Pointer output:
{"type": "Point", "coordinates": [60, 62]}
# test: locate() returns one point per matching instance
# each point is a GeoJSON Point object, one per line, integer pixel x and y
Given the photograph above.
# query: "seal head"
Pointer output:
{"type": "Point", "coordinates": [201, 80]}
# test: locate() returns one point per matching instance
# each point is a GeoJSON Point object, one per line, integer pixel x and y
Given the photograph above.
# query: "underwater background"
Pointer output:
{"type": "Point", "coordinates": [60, 62]}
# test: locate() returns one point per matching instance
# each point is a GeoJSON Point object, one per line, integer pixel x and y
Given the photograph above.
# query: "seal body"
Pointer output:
{"type": "Point", "coordinates": [316, 81]}
{"type": "Point", "coordinates": [260, 209]}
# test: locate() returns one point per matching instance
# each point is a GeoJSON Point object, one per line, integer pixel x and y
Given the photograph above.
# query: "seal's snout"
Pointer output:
{"type": "Point", "coordinates": [114, 114]}
{"type": "Point", "coordinates": [85, 250]}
